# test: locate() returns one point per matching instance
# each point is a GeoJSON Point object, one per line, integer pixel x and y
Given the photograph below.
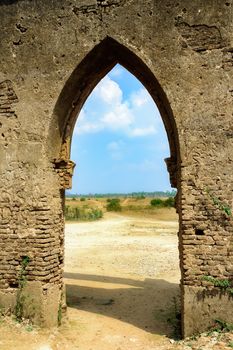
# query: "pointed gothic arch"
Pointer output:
{"type": "Point", "coordinates": [97, 63]}
{"type": "Point", "coordinates": [94, 66]}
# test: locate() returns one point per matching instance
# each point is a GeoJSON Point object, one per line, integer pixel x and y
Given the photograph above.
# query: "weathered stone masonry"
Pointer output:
{"type": "Point", "coordinates": [52, 54]}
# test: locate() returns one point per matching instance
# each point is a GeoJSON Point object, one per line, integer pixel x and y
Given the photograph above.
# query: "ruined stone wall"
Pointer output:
{"type": "Point", "coordinates": [187, 46]}
{"type": "Point", "coordinates": [30, 225]}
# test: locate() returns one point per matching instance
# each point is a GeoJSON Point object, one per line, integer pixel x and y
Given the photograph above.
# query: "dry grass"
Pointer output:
{"type": "Point", "coordinates": [130, 207]}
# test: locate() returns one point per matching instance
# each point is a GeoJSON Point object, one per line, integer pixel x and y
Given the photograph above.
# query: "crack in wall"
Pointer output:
{"type": "Point", "coordinates": [199, 37]}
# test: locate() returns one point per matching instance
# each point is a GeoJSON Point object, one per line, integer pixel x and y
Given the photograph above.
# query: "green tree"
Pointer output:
{"type": "Point", "coordinates": [114, 205]}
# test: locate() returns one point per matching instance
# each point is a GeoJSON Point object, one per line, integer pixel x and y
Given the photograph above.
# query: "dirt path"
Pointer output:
{"type": "Point", "coordinates": [122, 280]}
{"type": "Point", "coordinates": [122, 276]}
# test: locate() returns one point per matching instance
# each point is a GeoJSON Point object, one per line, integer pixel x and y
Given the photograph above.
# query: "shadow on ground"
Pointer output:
{"type": "Point", "coordinates": [152, 304]}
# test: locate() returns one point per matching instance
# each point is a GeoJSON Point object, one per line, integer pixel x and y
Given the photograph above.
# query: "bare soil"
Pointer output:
{"type": "Point", "coordinates": [122, 277]}
{"type": "Point", "coordinates": [122, 280]}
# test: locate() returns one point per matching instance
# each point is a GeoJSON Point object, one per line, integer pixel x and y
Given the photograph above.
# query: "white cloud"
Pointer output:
{"type": "Point", "coordinates": [119, 117]}
{"type": "Point", "coordinates": [143, 131]}
{"type": "Point", "coordinates": [106, 110]}
{"type": "Point", "coordinates": [84, 125]}
{"type": "Point", "coordinates": [140, 97]}
{"type": "Point", "coordinates": [108, 91]}
{"type": "Point", "coordinates": [88, 128]}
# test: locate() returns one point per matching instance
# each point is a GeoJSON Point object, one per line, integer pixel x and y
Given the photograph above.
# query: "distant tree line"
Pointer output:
{"type": "Point", "coordinates": [138, 195]}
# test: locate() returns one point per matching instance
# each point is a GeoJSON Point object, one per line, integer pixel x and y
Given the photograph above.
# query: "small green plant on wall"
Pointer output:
{"type": "Point", "coordinates": [224, 284]}
{"type": "Point", "coordinates": [221, 326]}
{"type": "Point", "coordinates": [218, 203]}
{"type": "Point", "coordinates": [22, 281]}
{"type": "Point", "coordinates": [59, 314]}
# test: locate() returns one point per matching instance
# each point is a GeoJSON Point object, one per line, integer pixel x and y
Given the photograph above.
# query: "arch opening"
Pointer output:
{"type": "Point", "coordinates": [79, 86]}
{"type": "Point", "coordinates": [97, 63]}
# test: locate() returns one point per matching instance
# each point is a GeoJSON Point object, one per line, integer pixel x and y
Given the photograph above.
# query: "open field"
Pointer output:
{"type": "Point", "coordinates": [122, 280]}
{"type": "Point", "coordinates": [130, 206]}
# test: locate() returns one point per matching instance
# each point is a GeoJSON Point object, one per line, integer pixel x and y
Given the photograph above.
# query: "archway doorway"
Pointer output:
{"type": "Point", "coordinates": [83, 80]}
{"type": "Point", "coordinates": [112, 275]}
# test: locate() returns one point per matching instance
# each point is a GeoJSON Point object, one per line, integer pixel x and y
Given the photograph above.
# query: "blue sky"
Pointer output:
{"type": "Point", "coordinates": [119, 141]}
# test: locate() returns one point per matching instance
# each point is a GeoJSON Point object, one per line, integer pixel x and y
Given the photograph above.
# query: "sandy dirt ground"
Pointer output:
{"type": "Point", "coordinates": [122, 283]}
{"type": "Point", "coordinates": [123, 279]}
